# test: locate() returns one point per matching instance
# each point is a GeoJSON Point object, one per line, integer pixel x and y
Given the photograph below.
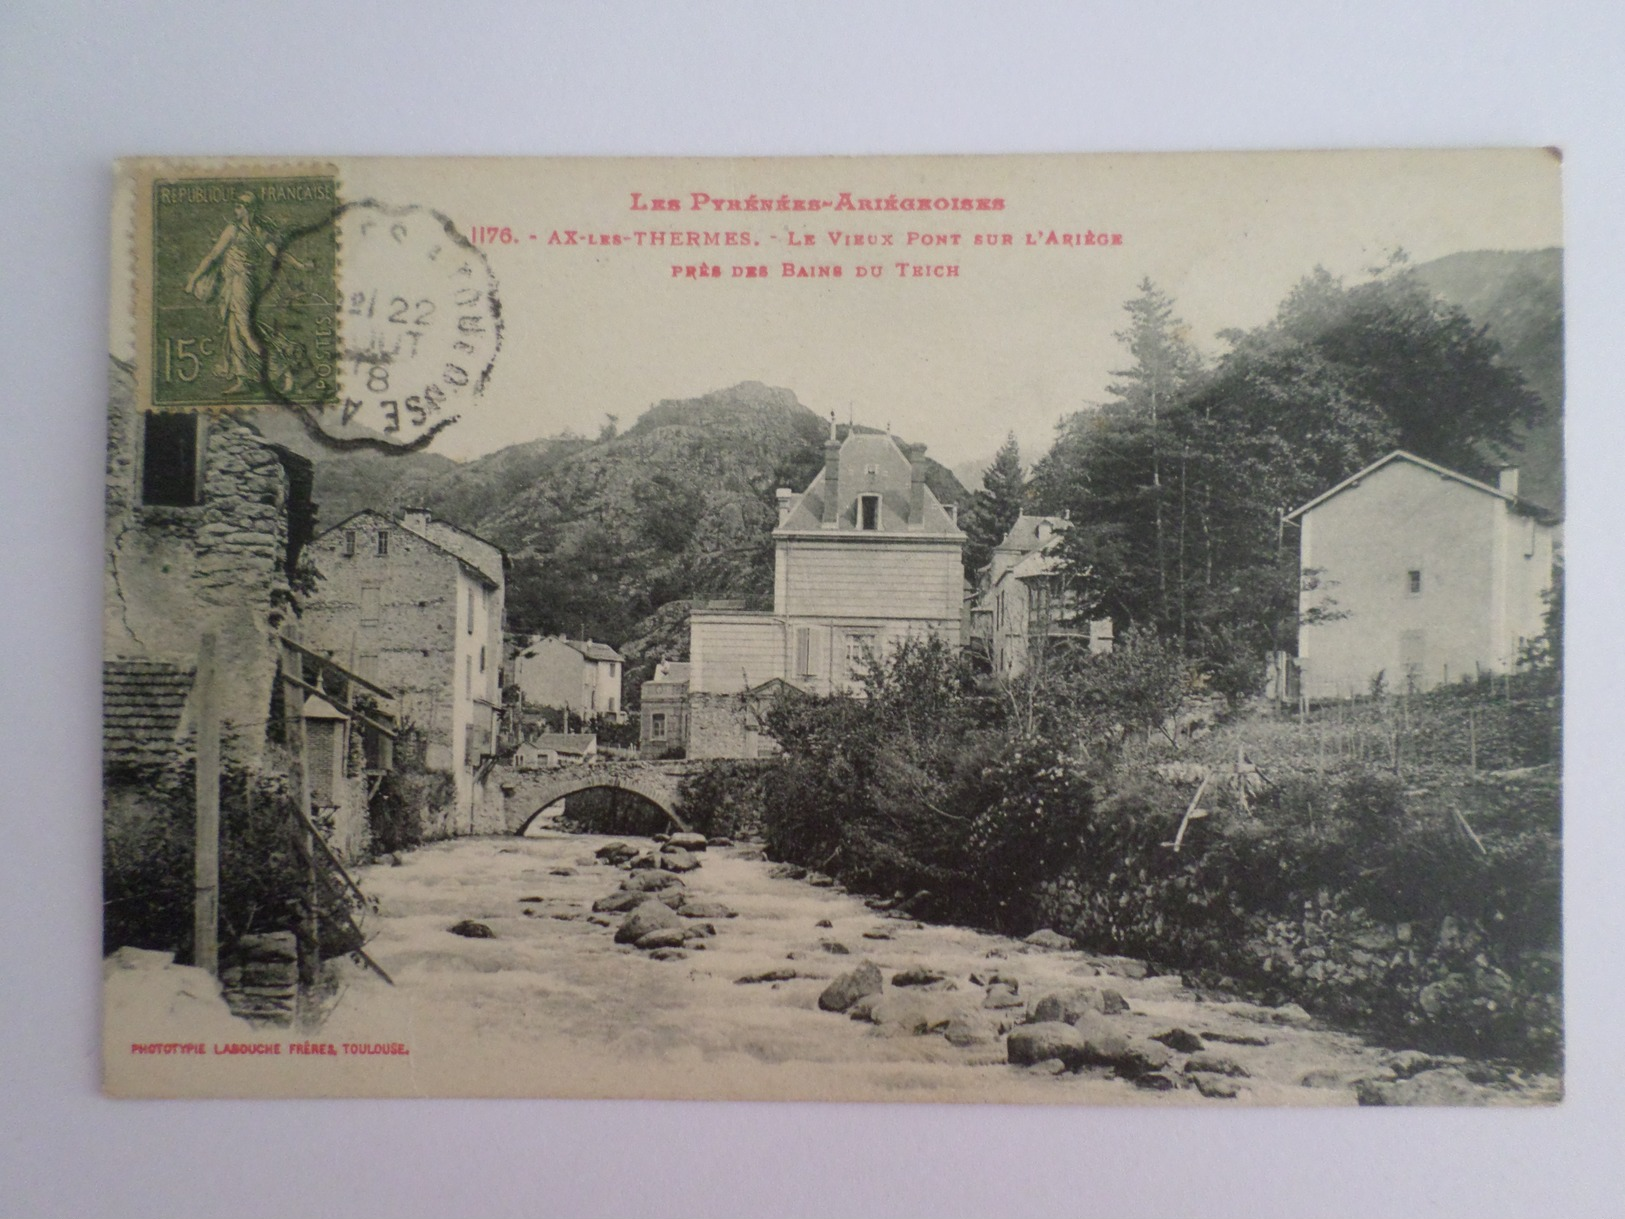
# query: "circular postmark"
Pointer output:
{"type": "Point", "coordinates": [419, 327]}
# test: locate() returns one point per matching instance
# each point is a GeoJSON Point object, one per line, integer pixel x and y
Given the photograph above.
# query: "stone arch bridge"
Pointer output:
{"type": "Point", "coordinates": [527, 792]}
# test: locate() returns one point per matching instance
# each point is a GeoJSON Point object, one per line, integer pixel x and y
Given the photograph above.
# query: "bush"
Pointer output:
{"type": "Point", "coordinates": [931, 782]}
{"type": "Point", "coordinates": [147, 864]}
{"type": "Point", "coordinates": [1346, 896]}
{"type": "Point", "coordinates": [725, 798]}
{"type": "Point", "coordinates": [407, 797]}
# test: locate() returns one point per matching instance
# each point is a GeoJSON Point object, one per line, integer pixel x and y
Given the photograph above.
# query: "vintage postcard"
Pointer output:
{"type": "Point", "coordinates": [1056, 629]}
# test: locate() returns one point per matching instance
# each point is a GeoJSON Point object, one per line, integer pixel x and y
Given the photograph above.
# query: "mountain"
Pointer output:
{"type": "Point", "coordinates": [1517, 295]}
{"type": "Point", "coordinates": [350, 480]}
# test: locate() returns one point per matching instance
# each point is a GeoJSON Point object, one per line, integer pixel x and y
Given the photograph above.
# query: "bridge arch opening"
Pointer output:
{"type": "Point", "coordinates": [604, 808]}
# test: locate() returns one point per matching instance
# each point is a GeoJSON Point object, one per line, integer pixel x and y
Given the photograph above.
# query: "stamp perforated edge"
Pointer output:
{"type": "Point", "coordinates": [136, 176]}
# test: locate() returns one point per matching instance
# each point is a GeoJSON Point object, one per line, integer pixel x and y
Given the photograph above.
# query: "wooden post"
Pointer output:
{"type": "Point", "coordinates": [293, 712]}
{"type": "Point", "coordinates": [1472, 740]}
{"type": "Point", "coordinates": [206, 853]}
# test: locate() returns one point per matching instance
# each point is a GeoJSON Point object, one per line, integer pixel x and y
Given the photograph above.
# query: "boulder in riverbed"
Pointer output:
{"type": "Point", "coordinates": [650, 916]}
{"type": "Point", "coordinates": [701, 909]}
{"type": "Point", "coordinates": [847, 989]}
{"type": "Point", "coordinates": [917, 976]}
{"type": "Point", "coordinates": [782, 974]}
{"type": "Point", "coordinates": [1051, 941]}
{"type": "Point", "coordinates": [620, 902]}
{"type": "Point", "coordinates": [1031, 1044]}
{"type": "Point", "coordinates": [1183, 1040]}
{"type": "Point", "coordinates": [652, 881]}
{"type": "Point", "coordinates": [677, 860]}
{"type": "Point", "coordinates": [665, 937]}
{"type": "Point", "coordinates": [1067, 1005]}
{"type": "Point", "coordinates": [1209, 1063]}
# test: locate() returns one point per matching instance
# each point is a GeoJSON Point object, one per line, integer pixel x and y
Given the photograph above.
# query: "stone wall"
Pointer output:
{"type": "Point", "coordinates": [722, 726]}
{"type": "Point", "coordinates": [174, 573]}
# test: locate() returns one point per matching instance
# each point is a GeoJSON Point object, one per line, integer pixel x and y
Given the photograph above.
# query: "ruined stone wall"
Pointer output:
{"type": "Point", "coordinates": [174, 573]}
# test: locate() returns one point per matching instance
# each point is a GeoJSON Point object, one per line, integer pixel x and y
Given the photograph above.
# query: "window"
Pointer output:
{"type": "Point", "coordinates": [471, 611]}
{"type": "Point", "coordinates": [383, 542]}
{"type": "Point", "coordinates": [349, 543]}
{"type": "Point", "coordinates": [869, 512]}
{"type": "Point", "coordinates": [369, 665]}
{"type": "Point", "coordinates": [1413, 582]}
{"type": "Point", "coordinates": [468, 676]}
{"type": "Point", "coordinates": [859, 649]}
{"type": "Point", "coordinates": [657, 726]}
{"type": "Point", "coordinates": [482, 658]}
{"type": "Point", "coordinates": [370, 597]}
{"type": "Point", "coordinates": [170, 465]}
{"type": "Point", "coordinates": [804, 650]}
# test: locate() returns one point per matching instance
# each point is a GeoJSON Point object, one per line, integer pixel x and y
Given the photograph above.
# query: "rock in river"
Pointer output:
{"type": "Point", "coordinates": [651, 882]}
{"type": "Point", "coordinates": [650, 916]}
{"type": "Point", "coordinates": [665, 937]}
{"type": "Point", "coordinates": [694, 909]}
{"type": "Point", "coordinates": [1035, 1043]}
{"type": "Point", "coordinates": [850, 987]}
{"type": "Point", "coordinates": [1047, 939]}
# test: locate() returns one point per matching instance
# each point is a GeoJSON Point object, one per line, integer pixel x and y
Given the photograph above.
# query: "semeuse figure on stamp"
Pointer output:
{"type": "Point", "coordinates": [233, 274]}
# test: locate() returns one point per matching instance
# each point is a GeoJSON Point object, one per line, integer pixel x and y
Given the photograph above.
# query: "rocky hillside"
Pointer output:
{"type": "Point", "coordinates": [1518, 296]}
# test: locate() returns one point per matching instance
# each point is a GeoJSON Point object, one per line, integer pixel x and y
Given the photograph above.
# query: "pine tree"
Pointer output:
{"type": "Point", "coordinates": [995, 506]}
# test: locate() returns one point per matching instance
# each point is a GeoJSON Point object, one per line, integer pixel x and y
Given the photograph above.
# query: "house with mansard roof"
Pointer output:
{"type": "Point", "coordinates": [416, 604]}
{"type": "Point", "coordinates": [1420, 574]}
{"type": "Point", "coordinates": [864, 558]}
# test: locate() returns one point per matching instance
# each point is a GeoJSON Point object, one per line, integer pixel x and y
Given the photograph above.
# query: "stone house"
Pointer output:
{"type": "Point", "coordinates": [663, 715]}
{"type": "Point", "coordinates": [579, 675]}
{"type": "Point", "coordinates": [864, 558]}
{"type": "Point", "coordinates": [1429, 577]}
{"type": "Point", "coordinates": [416, 604]}
{"type": "Point", "coordinates": [554, 749]}
{"type": "Point", "coordinates": [1026, 603]}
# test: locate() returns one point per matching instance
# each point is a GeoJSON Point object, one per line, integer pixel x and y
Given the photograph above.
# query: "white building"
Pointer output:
{"type": "Point", "coordinates": [1429, 576]}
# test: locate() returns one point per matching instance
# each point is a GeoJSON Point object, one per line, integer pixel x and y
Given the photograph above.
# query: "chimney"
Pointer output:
{"type": "Point", "coordinates": [916, 488]}
{"type": "Point", "coordinates": [415, 519]}
{"type": "Point", "coordinates": [1507, 481]}
{"type": "Point", "coordinates": [832, 477]}
{"type": "Point", "coordinates": [784, 496]}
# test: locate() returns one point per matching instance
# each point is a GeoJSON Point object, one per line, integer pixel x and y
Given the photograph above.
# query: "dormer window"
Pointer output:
{"type": "Point", "coordinates": [869, 512]}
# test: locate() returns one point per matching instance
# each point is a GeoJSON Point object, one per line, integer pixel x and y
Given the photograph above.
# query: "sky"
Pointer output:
{"type": "Point", "coordinates": [989, 338]}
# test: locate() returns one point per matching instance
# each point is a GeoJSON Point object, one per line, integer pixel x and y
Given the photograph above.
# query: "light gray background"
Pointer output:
{"type": "Point", "coordinates": [79, 86]}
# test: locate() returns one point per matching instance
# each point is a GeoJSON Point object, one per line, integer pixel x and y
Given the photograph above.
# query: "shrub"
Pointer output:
{"type": "Point", "coordinates": [147, 864]}
{"type": "Point", "coordinates": [407, 797]}
{"type": "Point", "coordinates": [725, 798]}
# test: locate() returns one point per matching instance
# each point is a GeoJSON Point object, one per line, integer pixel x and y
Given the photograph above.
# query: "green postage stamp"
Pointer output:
{"type": "Point", "coordinates": [244, 291]}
